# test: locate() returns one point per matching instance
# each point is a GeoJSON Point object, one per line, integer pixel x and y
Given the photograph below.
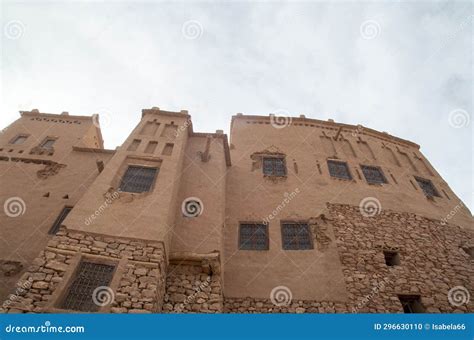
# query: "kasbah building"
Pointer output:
{"type": "Point", "coordinates": [291, 215]}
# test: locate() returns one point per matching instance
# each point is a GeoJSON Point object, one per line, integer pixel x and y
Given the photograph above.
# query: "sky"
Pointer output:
{"type": "Point", "coordinates": [401, 67]}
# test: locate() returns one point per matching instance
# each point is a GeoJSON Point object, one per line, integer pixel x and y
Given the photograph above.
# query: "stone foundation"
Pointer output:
{"type": "Point", "coordinates": [192, 289]}
{"type": "Point", "coordinates": [140, 286]}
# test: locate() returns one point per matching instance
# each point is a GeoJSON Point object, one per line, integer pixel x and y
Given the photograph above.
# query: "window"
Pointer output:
{"type": "Point", "coordinates": [427, 186]}
{"type": "Point", "coordinates": [339, 170]}
{"type": "Point", "coordinates": [138, 179]}
{"type": "Point", "coordinates": [89, 276]}
{"type": "Point", "coordinates": [20, 139]}
{"type": "Point", "coordinates": [469, 251]}
{"type": "Point", "coordinates": [391, 258]}
{"type": "Point", "coordinates": [134, 145]}
{"type": "Point", "coordinates": [373, 174]}
{"type": "Point", "coordinates": [48, 143]}
{"type": "Point", "coordinates": [411, 304]}
{"type": "Point", "coordinates": [150, 148]}
{"type": "Point", "coordinates": [274, 166]}
{"type": "Point", "coordinates": [59, 220]}
{"type": "Point", "coordinates": [253, 236]}
{"type": "Point", "coordinates": [296, 236]}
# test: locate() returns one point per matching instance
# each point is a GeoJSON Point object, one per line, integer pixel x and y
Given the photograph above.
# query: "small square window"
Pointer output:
{"type": "Point", "coordinates": [373, 174]}
{"type": "Point", "coordinates": [88, 277]}
{"type": "Point", "coordinates": [48, 143]}
{"type": "Point", "coordinates": [274, 166]}
{"type": "Point", "coordinates": [59, 220]}
{"type": "Point", "coordinates": [20, 139]}
{"type": "Point", "coordinates": [296, 236]}
{"type": "Point", "coordinates": [427, 186]}
{"type": "Point", "coordinates": [339, 170]}
{"type": "Point", "coordinates": [253, 236]}
{"type": "Point", "coordinates": [138, 179]}
{"type": "Point", "coordinates": [392, 258]}
{"type": "Point", "coordinates": [411, 304]}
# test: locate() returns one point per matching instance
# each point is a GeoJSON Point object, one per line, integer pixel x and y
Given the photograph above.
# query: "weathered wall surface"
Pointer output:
{"type": "Point", "coordinates": [138, 283]}
{"type": "Point", "coordinates": [41, 183]}
{"type": "Point", "coordinates": [432, 262]}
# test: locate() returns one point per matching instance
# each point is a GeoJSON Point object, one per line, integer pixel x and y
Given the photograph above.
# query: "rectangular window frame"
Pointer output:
{"type": "Point", "coordinates": [335, 175]}
{"type": "Point", "coordinates": [252, 247]}
{"type": "Point", "coordinates": [60, 219]}
{"type": "Point", "coordinates": [275, 171]}
{"type": "Point", "coordinates": [284, 243]}
{"type": "Point", "coordinates": [411, 304]}
{"type": "Point", "coordinates": [420, 180]}
{"type": "Point", "coordinates": [14, 140]}
{"type": "Point", "coordinates": [368, 179]}
{"type": "Point", "coordinates": [151, 185]}
{"type": "Point", "coordinates": [46, 140]}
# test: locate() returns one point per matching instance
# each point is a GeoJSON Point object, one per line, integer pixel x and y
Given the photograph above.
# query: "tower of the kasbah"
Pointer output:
{"type": "Point", "coordinates": [291, 214]}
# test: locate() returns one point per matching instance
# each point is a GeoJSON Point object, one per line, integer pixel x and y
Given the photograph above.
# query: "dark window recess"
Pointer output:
{"type": "Point", "coordinates": [339, 170]}
{"type": "Point", "coordinates": [274, 166]}
{"type": "Point", "coordinates": [48, 143]}
{"type": "Point", "coordinates": [253, 236]}
{"type": "Point", "coordinates": [411, 304]}
{"type": "Point", "coordinates": [373, 174]}
{"type": "Point", "coordinates": [427, 186]}
{"type": "Point", "coordinates": [89, 276]}
{"type": "Point", "coordinates": [391, 258]}
{"type": "Point", "coordinates": [469, 251]}
{"type": "Point", "coordinates": [138, 179]}
{"type": "Point", "coordinates": [296, 236]}
{"type": "Point", "coordinates": [19, 139]}
{"type": "Point", "coordinates": [59, 220]}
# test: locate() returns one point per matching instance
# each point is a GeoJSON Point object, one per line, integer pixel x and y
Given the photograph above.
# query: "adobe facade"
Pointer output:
{"type": "Point", "coordinates": [291, 215]}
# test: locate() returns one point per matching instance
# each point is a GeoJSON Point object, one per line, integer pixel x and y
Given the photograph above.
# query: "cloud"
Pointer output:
{"type": "Point", "coordinates": [305, 57]}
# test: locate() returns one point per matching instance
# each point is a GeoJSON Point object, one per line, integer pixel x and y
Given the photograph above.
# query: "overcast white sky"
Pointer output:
{"type": "Point", "coordinates": [404, 67]}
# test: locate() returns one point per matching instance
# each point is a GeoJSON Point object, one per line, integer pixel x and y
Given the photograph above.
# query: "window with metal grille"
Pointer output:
{"type": "Point", "coordinates": [138, 179]}
{"type": "Point", "coordinates": [339, 170]}
{"type": "Point", "coordinates": [59, 220]}
{"type": "Point", "coordinates": [253, 236]}
{"type": "Point", "coordinates": [89, 276]}
{"type": "Point", "coordinates": [20, 139]}
{"type": "Point", "coordinates": [48, 143]}
{"type": "Point", "coordinates": [296, 236]}
{"type": "Point", "coordinates": [373, 174]}
{"type": "Point", "coordinates": [411, 304]}
{"type": "Point", "coordinates": [274, 166]}
{"type": "Point", "coordinates": [427, 186]}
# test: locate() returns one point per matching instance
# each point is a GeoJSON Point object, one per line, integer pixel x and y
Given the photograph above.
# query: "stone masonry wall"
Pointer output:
{"type": "Point", "coordinates": [432, 262]}
{"type": "Point", "coordinates": [189, 289]}
{"type": "Point", "coordinates": [141, 285]}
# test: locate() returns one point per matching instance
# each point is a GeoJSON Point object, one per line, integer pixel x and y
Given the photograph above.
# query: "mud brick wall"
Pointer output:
{"type": "Point", "coordinates": [190, 289]}
{"type": "Point", "coordinates": [432, 262]}
{"type": "Point", "coordinates": [141, 282]}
